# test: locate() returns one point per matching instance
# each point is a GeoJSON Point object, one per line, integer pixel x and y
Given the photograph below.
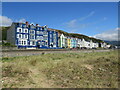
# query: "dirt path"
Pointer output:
{"type": "Point", "coordinates": [29, 53]}
{"type": "Point", "coordinates": [39, 80]}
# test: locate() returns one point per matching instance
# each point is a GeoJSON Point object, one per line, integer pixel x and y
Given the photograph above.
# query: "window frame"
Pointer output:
{"type": "Point", "coordinates": [25, 30]}
{"type": "Point", "coordinates": [31, 31]}
{"type": "Point", "coordinates": [18, 29]}
{"type": "Point", "coordinates": [31, 36]}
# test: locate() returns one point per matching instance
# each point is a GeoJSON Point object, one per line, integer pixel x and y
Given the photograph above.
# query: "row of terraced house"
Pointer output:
{"type": "Point", "coordinates": [25, 35]}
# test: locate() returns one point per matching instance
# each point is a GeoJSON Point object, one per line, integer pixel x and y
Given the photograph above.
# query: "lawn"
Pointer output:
{"type": "Point", "coordinates": [62, 70]}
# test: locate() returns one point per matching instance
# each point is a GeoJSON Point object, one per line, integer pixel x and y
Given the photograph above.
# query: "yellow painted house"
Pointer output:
{"type": "Point", "coordinates": [68, 42]}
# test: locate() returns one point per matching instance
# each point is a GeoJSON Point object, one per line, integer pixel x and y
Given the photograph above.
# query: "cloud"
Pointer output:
{"type": "Point", "coordinates": [5, 21]}
{"type": "Point", "coordinates": [75, 24]}
{"type": "Point", "coordinates": [110, 35]}
{"type": "Point", "coordinates": [117, 28]}
{"type": "Point", "coordinates": [86, 17]}
{"type": "Point", "coordinates": [22, 20]}
{"type": "Point", "coordinates": [72, 23]}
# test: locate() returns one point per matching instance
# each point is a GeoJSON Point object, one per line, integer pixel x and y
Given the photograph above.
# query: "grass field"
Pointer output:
{"type": "Point", "coordinates": [57, 70]}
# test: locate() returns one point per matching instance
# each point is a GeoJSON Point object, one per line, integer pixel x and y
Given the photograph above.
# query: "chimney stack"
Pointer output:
{"type": "Point", "coordinates": [36, 24]}
{"type": "Point", "coordinates": [27, 23]}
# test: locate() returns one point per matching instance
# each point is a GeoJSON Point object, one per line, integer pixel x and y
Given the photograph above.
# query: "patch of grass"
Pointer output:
{"type": "Point", "coordinates": [68, 70]}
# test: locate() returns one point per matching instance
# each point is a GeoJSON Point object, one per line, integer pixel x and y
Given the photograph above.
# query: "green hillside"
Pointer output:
{"type": "Point", "coordinates": [80, 36]}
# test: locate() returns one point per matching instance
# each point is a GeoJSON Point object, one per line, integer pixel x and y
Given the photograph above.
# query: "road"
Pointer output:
{"type": "Point", "coordinates": [37, 52]}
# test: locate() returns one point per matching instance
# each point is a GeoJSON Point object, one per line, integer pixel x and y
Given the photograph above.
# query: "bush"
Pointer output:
{"type": "Point", "coordinates": [8, 44]}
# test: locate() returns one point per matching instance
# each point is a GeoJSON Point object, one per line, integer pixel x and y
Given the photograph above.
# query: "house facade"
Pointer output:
{"type": "Point", "coordinates": [68, 42]}
{"type": "Point", "coordinates": [62, 41]}
{"type": "Point", "coordinates": [32, 36]}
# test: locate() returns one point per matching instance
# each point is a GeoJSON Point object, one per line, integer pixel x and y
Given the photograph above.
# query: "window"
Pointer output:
{"type": "Point", "coordinates": [45, 43]}
{"type": "Point", "coordinates": [24, 42]}
{"type": "Point", "coordinates": [26, 36]}
{"type": "Point", "coordinates": [54, 34]}
{"type": "Point", "coordinates": [20, 36]}
{"type": "Point", "coordinates": [38, 32]}
{"type": "Point", "coordinates": [50, 40]}
{"type": "Point", "coordinates": [41, 32]}
{"type": "Point", "coordinates": [19, 29]}
{"type": "Point", "coordinates": [32, 32]}
{"type": "Point", "coordinates": [37, 37]}
{"type": "Point", "coordinates": [32, 43]}
{"type": "Point", "coordinates": [41, 37]}
{"type": "Point", "coordinates": [19, 42]}
{"type": "Point", "coordinates": [54, 43]}
{"type": "Point", "coordinates": [25, 30]}
{"type": "Point", "coordinates": [50, 35]}
{"type": "Point", "coordinates": [45, 38]}
{"type": "Point", "coordinates": [32, 36]}
{"type": "Point", "coordinates": [54, 39]}
{"type": "Point", "coordinates": [17, 35]}
{"type": "Point", "coordinates": [45, 33]}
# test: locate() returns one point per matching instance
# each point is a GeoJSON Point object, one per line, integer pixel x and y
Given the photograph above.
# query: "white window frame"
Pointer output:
{"type": "Point", "coordinates": [18, 29]}
{"type": "Point", "coordinates": [41, 37]}
{"type": "Point", "coordinates": [25, 29]}
{"type": "Point", "coordinates": [19, 42]}
{"type": "Point", "coordinates": [38, 32]}
{"type": "Point", "coordinates": [37, 37]}
{"type": "Point", "coordinates": [31, 43]}
{"type": "Point", "coordinates": [22, 42]}
{"type": "Point", "coordinates": [41, 32]}
{"type": "Point", "coordinates": [19, 35]}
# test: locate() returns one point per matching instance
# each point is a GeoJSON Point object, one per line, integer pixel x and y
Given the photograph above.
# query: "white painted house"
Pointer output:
{"type": "Point", "coordinates": [62, 40]}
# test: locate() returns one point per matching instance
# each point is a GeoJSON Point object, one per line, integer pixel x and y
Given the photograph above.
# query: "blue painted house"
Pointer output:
{"type": "Point", "coordinates": [25, 35]}
{"type": "Point", "coordinates": [73, 42]}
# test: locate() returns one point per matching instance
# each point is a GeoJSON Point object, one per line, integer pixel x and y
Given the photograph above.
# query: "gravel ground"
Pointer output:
{"type": "Point", "coordinates": [29, 53]}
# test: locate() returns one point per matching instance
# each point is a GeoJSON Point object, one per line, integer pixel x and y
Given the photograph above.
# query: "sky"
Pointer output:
{"type": "Point", "coordinates": [96, 19]}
